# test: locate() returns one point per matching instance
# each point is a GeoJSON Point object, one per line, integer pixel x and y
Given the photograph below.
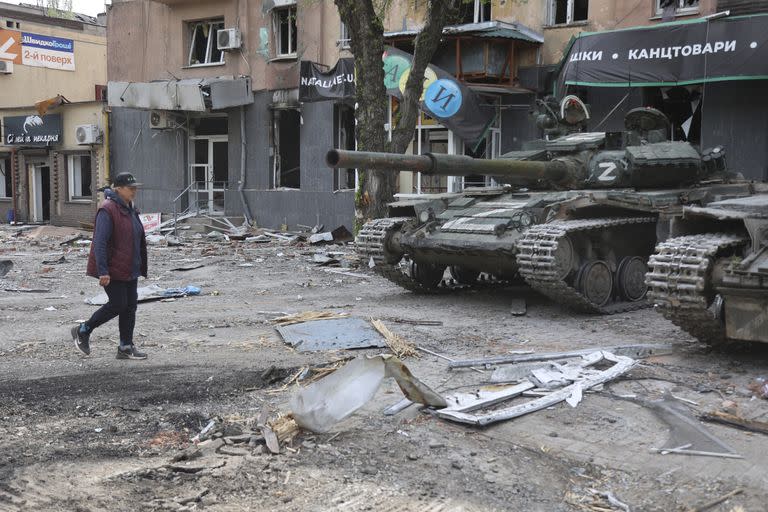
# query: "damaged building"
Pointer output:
{"type": "Point", "coordinates": [208, 112]}
{"type": "Point", "coordinates": [53, 155]}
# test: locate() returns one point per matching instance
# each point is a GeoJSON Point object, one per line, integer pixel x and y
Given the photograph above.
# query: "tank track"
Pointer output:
{"type": "Point", "coordinates": [370, 243]}
{"type": "Point", "coordinates": [677, 282]}
{"type": "Point", "coordinates": [536, 262]}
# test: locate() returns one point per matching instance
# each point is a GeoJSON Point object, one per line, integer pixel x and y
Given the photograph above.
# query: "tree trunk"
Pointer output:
{"type": "Point", "coordinates": [366, 32]}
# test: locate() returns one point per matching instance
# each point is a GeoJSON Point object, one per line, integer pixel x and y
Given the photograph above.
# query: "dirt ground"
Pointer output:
{"type": "Point", "coordinates": [96, 433]}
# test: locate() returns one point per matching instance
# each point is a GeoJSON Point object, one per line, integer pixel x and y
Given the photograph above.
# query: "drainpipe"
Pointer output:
{"type": "Point", "coordinates": [241, 185]}
{"type": "Point", "coordinates": [14, 164]}
{"type": "Point", "coordinates": [106, 146]}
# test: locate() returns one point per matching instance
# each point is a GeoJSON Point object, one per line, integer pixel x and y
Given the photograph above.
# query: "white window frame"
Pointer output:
{"type": "Point", "coordinates": [552, 7]}
{"type": "Point", "coordinates": [479, 11]}
{"type": "Point", "coordinates": [292, 53]}
{"type": "Point", "coordinates": [4, 192]}
{"type": "Point", "coordinates": [680, 9]}
{"type": "Point", "coordinates": [214, 25]}
{"type": "Point", "coordinates": [74, 181]}
{"type": "Point", "coordinates": [344, 38]}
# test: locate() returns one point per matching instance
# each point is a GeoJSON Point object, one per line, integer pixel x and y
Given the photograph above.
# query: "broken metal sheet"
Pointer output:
{"type": "Point", "coordinates": [321, 405]}
{"type": "Point", "coordinates": [334, 334]}
{"type": "Point", "coordinates": [149, 293]}
{"type": "Point", "coordinates": [634, 351]}
{"type": "Point", "coordinates": [622, 365]}
{"type": "Point", "coordinates": [485, 397]}
{"type": "Point", "coordinates": [231, 93]}
{"type": "Point", "coordinates": [166, 95]}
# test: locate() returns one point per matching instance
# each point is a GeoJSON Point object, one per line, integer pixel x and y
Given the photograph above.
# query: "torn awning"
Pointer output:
{"type": "Point", "coordinates": [669, 54]}
{"type": "Point", "coordinates": [194, 95]}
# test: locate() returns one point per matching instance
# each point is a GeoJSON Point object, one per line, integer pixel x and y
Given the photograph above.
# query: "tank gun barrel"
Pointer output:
{"type": "Point", "coordinates": [450, 165]}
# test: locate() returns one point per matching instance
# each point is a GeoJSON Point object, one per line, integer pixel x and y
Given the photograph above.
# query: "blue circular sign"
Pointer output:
{"type": "Point", "coordinates": [443, 98]}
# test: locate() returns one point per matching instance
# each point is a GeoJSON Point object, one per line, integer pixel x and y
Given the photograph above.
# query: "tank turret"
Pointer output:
{"type": "Point", "coordinates": [639, 157]}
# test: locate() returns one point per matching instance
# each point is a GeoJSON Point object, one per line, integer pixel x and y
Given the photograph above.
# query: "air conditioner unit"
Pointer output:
{"type": "Point", "coordinates": [228, 39]}
{"type": "Point", "coordinates": [6, 67]}
{"type": "Point", "coordinates": [161, 120]}
{"type": "Point", "coordinates": [88, 134]}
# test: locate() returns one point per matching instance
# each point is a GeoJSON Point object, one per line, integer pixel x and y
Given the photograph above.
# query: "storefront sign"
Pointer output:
{"type": "Point", "coordinates": [335, 83]}
{"type": "Point", "coordinates": [36, 50]}
{"type": "Point", "coordinates": [32, 130]}
{"type": "Point", "coordinates": [670, 54]}
{"type": "Point", "coordinates": [453, 104]}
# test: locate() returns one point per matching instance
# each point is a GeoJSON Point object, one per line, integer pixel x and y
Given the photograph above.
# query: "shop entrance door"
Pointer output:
{"type": "Point", "coordinates": [208, 173]}
{"type": "Point", "coordinates": [39, 192]}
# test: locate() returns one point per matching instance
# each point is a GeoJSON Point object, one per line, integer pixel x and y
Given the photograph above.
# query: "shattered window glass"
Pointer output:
{"type": "Point", "coordinates": [203, 48]}
{"type": "Point", "coordinates": [285, 31]}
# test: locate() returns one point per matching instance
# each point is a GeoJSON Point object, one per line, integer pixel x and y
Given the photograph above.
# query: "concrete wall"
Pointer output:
{"type": "Point", "coordinates": [158, 159]}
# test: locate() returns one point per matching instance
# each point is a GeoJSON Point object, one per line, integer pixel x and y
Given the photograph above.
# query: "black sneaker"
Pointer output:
{"type": "Point", "coordinates": [81, 340]}
{"type": "Point", "coordinates": [129, 352]}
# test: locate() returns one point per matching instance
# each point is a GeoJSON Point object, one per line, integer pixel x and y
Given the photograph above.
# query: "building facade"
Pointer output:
{"type": "Point", "coordinates": [217, 125]}
{"type": "Point", "coordinates": [53, 76]}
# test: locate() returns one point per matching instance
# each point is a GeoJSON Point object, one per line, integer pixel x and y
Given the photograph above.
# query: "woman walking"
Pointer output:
{"type": "Point", "coordinates": [118, 257]}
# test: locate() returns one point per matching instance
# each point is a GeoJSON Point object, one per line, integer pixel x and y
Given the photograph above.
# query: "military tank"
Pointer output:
{"type": "Point", "coordinates": [576, 216]}
{"type": "Point", "coordinates": [711, 277]}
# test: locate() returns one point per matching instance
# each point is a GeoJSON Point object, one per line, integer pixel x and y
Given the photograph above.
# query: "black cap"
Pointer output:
{"type": "Point", "coordinates": [125, 179]}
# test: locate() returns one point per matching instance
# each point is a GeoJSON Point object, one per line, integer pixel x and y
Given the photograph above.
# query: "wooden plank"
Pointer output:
{"type": "Point", "coordinates": [736, 421]}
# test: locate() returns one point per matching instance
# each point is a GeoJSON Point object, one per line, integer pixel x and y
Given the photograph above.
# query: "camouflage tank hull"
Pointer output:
{"type": "Point", "coordinates": [712, 281]}
{"type": "Point", "coordinates": [586, 250]}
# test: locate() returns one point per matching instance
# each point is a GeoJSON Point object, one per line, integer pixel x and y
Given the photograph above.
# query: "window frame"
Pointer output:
{"type": "Point", "coordinates": [569, 10]}
{"type": "Point", "coordinates": [344, 38]}
{"type": "Point", "coordinates": [4, 192]}
{"type": "Point", "coordinates": [679, 11]}
{"type": "Point", "coordinates": [292, 30]}
{"type": "Point", "coordinates": [71, 180]}
{"type": "Point", "coordinates": [192, 28]}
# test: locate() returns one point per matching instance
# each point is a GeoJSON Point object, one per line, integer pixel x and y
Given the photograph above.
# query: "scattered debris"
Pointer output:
{"type": "Point", "coordinates": [339, 235]}
{"type": "Point", "coordinates": [759, 387]}
{"type": "Point", "coordinates": [331, 334]}
{"type": "Point", "coordinates": [441, 356]}
{"type": "Point", "coordinates": [28, 290]}
{"type": "Point", "coordinates": [633, 351]}
{"type": "Point", "coordinates": [396, 344]}
{"type": "Point", "coordinates": [150, 293]}
{"type": "Point", "coordinates": [187, 268]}
{"type": "Point", "coordinates": [321, 405]}
{"type": "Point", "coordinates": [55, 262]}
{"type": "Point", "coordinates": [308, 316]}
{"type": "Point", "coordinates": [718, 501]}
{"type": "Point", "coordinates": [586, 380]}
{"type": "Point", "coordinates": [518, 307]}
{"type": "Point", "coordinates": [687, 435]}
{"type": "Point", "coordinates": [319, 238]}
{"type": "Point", "coordinates": [413, 322]}
{"type": "Point", "coordinates": [5, 267]}
{"type": "Point", "coordinates": [204, 432]}
{"type": "Point", "coordinates": [597, 501]}
{"type": "Point", "coordinates": [736, 421]}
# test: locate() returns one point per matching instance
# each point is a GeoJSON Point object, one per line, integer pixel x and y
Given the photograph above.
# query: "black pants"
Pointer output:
{"type": "Point", "coordinates": [122, 302]}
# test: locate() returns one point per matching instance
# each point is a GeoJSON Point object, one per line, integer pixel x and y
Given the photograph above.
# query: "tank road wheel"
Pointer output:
{"type": "Point", "coordinates": [630, 278]}
{"type": "Point", "coordinates": [464, 275]}
{"type": "Point", "coordinates": [595, 282]}
{"type": "Point", "coordinates": [564, 256]}
{"type": "Point", "coordinates": [427, 274]}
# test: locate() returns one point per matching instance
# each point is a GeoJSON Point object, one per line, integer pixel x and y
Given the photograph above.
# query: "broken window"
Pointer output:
{"type": "Point", "coordinates": [568, 11]}
{"type": "Point", "coordinates": [284, 28]}
{"type": "Point", "coordinates": [202, 42]}
{"type": "Point", "coordinates": [676, 5]}
{"type": "Point", "coordinates": [344, 130]}
{"type": "Point", "coordinates": [6, 183]}
{"type": "Point", "coordinates": [286, 131]}
{"type": "Point", "coordinates": [79, 167]}
{"type": "Point", "coordinates": [476, 11]}
{"type": "Point", "coordinates": [344, 36]}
